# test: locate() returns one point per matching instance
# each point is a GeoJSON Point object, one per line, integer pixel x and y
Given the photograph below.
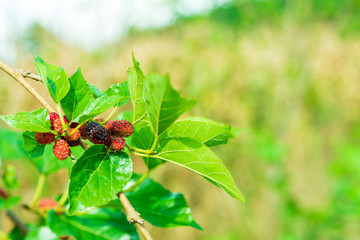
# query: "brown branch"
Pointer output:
{"type": "Point", "coordinates": [132, 215]}
{"type": "Point", "coordinates": [18, 75]}
{"type": "Point", "coordinates": [22, 227]}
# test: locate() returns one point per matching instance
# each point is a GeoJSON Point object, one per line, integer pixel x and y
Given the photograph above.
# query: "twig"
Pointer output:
{"type": "Point", "coordinates": [19, 77]}
{"type": "Point", "coordinates": [23, 228]}
{"type": "Point", "coordinates": [133, 216]}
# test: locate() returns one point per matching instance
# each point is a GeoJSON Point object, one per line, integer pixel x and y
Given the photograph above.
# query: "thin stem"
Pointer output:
{"type": "Point", "coordinates": [39, 188]}
{"type": "Point", "coordinates": [110, 115]}
{"type": "Point", "coordinates": [23, 228]}
{"type": "Point", "coordinates": [65, 126]}
{"type": "Point", "coordinates": [141, 154]}
{"type": "Point", "coordinates": [133, 216]}
{"type": "Point", "coordinates": [77, 128]}
{"type": "Point", "coordinates": [138, 182]}
{"type": "Point", "coordinates": [153, 146]}
{"type": "Point", "coordinates": [131, 148]}
{"type": "Point", "coordinates": [64, 197]}
{"type": "Point", "coordinates": [18, 76]}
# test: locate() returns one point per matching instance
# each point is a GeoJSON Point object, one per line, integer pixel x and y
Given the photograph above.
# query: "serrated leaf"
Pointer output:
{"type": "Point", "coordinates": [9, 202]}
{"type": "Point", "coordinates": [43, 233]}
{"type": "Point", "coordinates": [54, 78]}
{"type": "Point", "coordinates": [202, 130]}
{"type": "Point", "coordinates": [143, 138]}
{"type": "Point", "coordinates": [37, 120]}
{"type": "Point", "coordinates": [163, 103]}
{"type": "Point", "coordinates": [97, 176]}
{"type": "Point", "coordinates": [199, 159]}
{"type": "Point", "coordinates": [162, 208]}
{"type": "Point", "coordinates": [100, 105]}
{"type": "Point", "coordinates": [100, 224]}
{"type": "Point", "coordinates": [136, 85]}
{"type": "Point", "coordinates": [78, 97]}
{"type": "Point", "coordinates": [42, 155]}
{"type": "Point", "coordinates": [122, 90]}
{"type": "Point", "coordinates": [96, 92]}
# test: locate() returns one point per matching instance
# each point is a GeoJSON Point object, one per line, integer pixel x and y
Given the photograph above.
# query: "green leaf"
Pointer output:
{"type": "Point", "coordinates": [97, 177]}
{"type": "Point", "coordinates": [100, 224]}
{"type": "Point", "coordinates": [162, 208]}
{"type": "Point", "coordinates": [163, 103]}
{"type": "Point", "coordinates": [38, 120]}
{"type": "Point", "coordinates": [199, 159]}
{"type": "Point", "coordinates": [78, 97]}
{"type": "Point", "coordinates": [136, 85]}
{"type": "Point", "coordinates": [54, 78]}
{"type": "Point", "coordinates": [9, 202]}
{"type": "Point", "coordinates": [206, 131]}
{"type": "Point", "coordinates": [126, 115]}
{"type": "Point", "coordinates": [11, 144]}
{"type": "Point", "coordinates": [42, 155]}
{"type": "Point", "coordinates": [43, 233]}
{"type": "Point", "coordinates": [100, 105]}
{"type": "Point", "coordinates": [122, 90]}
{"type": "Point", "coordinates": [96, 92]}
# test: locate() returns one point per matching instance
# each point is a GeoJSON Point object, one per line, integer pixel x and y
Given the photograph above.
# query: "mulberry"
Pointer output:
{"type": "Point", "coordinates": [117, 144]}
{"type": "Point", "coordinates": [98, 134]}
{"type": "Point", "coordinates": [44, 138]}
{"type": "Point", "coordinates": [61, 149]}
{"type": "Point", "coordinates": [121, 128]}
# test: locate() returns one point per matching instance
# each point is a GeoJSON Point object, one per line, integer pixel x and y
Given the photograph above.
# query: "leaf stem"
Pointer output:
{"type": "Point", "coordinates": [65, 126]}
{"type": "Point", "coordinates": [64, 197]}
{"type": "Point", "coordinates": [153, 146]}
{"type": "Point", "coordinates": [77, 128]}
{"type": "Point", "coordinates": [131, 148]}
{"type": "Point", "coordinates": [138, 182]}
{"type": "Point", "coordinates": [38, 190]}
{"type": "Point", "coordinates": [110, 115]}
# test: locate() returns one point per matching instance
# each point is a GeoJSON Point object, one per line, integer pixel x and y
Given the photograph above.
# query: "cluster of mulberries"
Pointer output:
{"type": "Point", "coordinates": [112, 134]}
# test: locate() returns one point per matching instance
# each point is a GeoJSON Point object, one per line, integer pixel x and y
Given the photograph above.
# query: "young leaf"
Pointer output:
{"type": "Point", "coordinates": [37, 120]}
{"type": "Point", "coordinates": [96, 92]}
{"type": "Point", "coordinates": [136, 85]}
{"type": "Point", "coordinates": [42, 155]}
{"type": "Point", "coordinates": [122, 90]}
{"type": "Point", "coordinates": [198, 158]}
{"type": "Point", "coordinates": [97, 176]}
{"type": "Point", "coordinates": [78, 97]}
{"type": "Point", "coordinates": [100, 224]}
{"type": "Point", "coordinates": [202, 130]}
{"type": "Point", "coordinates": [9, 202]}
{"type": "Point", "coordinates": [100, 105]}
{"type": "Point", "coordinates": [54, 78]}
{"type": "Point", "coordinates": [163, 103]}
{"type": "Point", "coordinates": [162, 208]}
{"type": "Point", "coordinates": [43, 233]}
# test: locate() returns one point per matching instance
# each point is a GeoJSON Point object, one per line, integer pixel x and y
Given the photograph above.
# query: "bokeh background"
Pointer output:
{"type": "Point", "coordinates": [287, 72]}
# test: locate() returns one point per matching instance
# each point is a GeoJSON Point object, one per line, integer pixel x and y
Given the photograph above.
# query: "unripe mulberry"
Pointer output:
{"type": "Point", "coordinates": [121, 128]}
{"type": "Point", "coordinates": [75, 136]}
{"type": "Point", "coordinates": [56, 122]}
{"type": "Point", "coordinates": [47, 203]}
{"type": "Point", "coordinates": [61, 149]}
{"type": "Point", "coordinates": [117, 144]}
{"type": "Point", "coordinates": [98, 134]}
{"type": "Point", "coordinates": [44, 138]}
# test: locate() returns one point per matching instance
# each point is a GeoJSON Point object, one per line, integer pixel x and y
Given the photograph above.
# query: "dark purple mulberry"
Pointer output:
{"type": "Point", "coordinates": [98, 134]}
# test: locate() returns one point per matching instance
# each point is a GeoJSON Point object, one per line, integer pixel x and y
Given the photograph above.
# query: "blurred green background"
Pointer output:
{"type": "Point", "coordinates": [285, 71]}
